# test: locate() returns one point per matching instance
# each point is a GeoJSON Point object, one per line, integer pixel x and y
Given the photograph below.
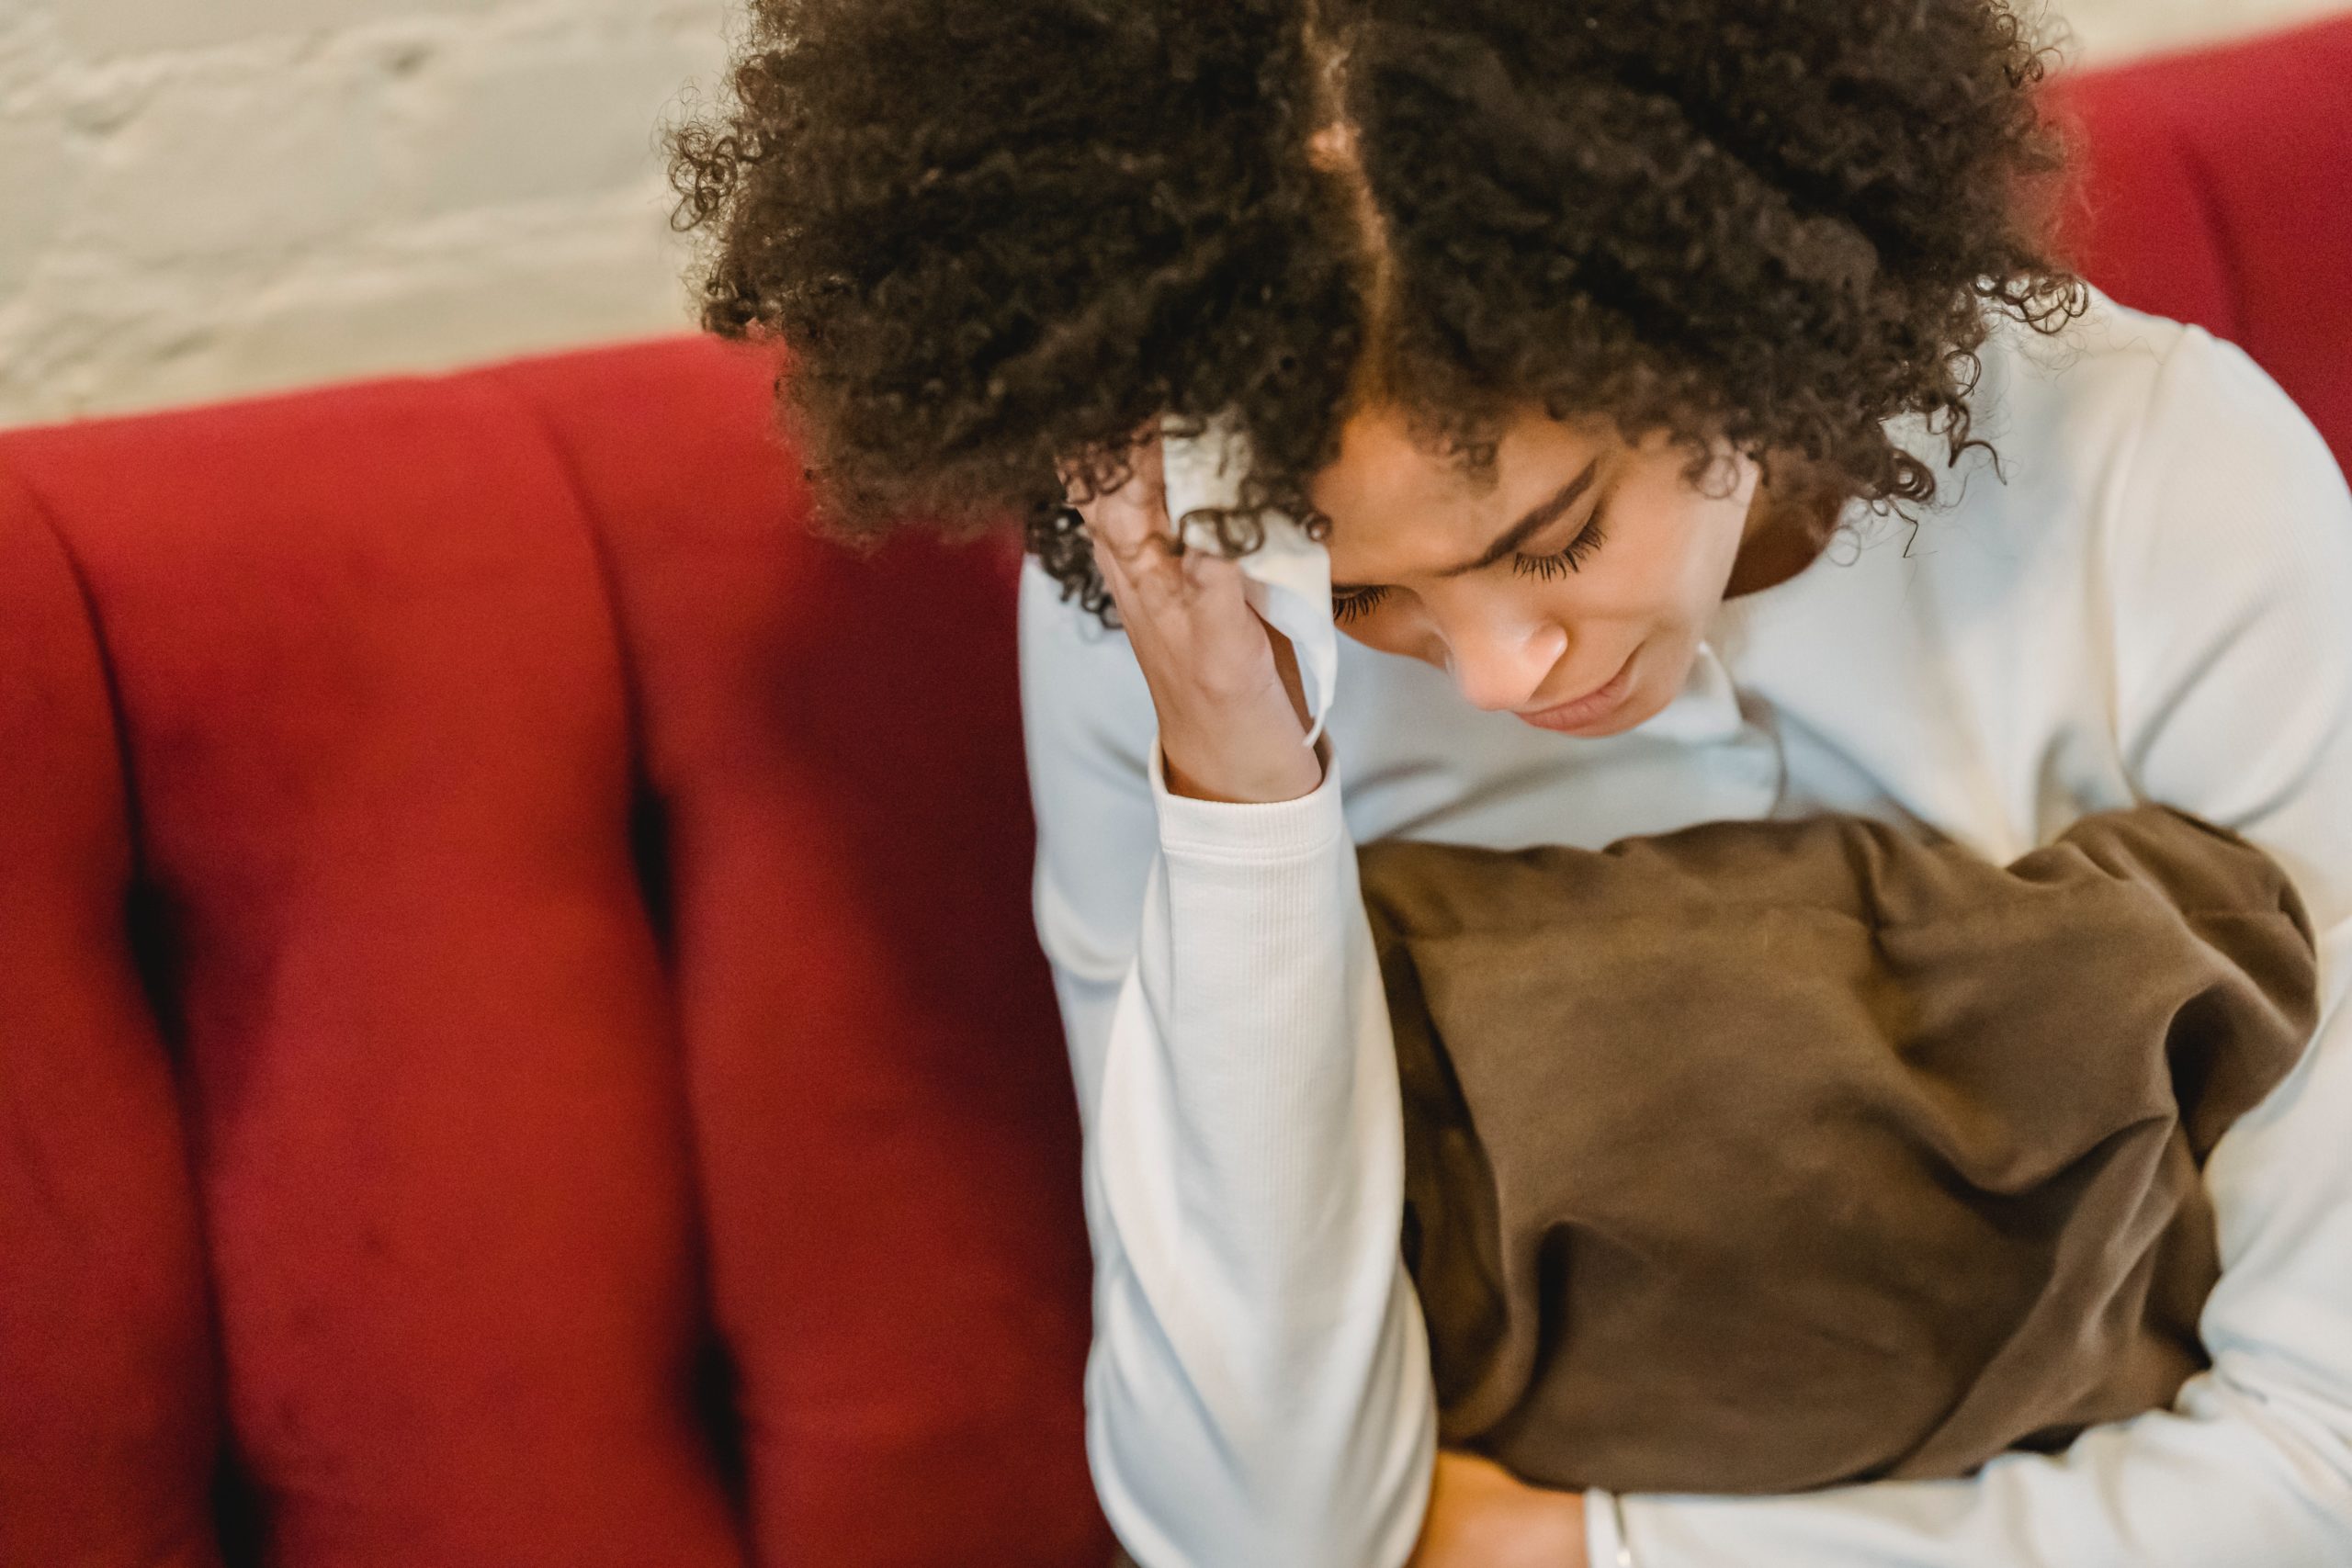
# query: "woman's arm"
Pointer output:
{"type": "Point", "coordinates": [1258, 1393]}
{"type": "Point", "coordinates": [2229, 566]}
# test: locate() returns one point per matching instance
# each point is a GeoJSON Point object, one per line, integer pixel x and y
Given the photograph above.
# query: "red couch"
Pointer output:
{"type": "Point", "coordinates": [521, 1044]}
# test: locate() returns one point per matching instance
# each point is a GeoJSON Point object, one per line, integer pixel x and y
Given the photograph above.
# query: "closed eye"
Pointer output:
{"type": "Point", "coordinates": [1348, 606]}
{"type": "Point", "coordinates": [1580, 550]}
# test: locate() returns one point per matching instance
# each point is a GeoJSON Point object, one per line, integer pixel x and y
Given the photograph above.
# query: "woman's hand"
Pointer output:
{"type": "Point", "coordinates": [1481, 1516]}
{"type": "Point", "coordinates": [1232, 707]}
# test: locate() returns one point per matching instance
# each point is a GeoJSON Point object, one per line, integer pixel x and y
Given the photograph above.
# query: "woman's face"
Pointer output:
{"type": "Point", "coordinates": [1581, 583]}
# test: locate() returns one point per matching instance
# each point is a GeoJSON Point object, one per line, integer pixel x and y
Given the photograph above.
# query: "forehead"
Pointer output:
{"type": "Point", "coordinates": [1398, 509]}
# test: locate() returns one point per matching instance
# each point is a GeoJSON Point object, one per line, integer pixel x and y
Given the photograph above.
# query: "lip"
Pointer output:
{"type": "Point", "coordinates": [1589, 710]}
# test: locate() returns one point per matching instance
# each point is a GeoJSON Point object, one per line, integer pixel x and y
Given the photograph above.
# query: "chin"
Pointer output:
{"type": "Point", "coordinates": [1651, 696]}
{"type": "Point", "coordinates": [1653, 693]}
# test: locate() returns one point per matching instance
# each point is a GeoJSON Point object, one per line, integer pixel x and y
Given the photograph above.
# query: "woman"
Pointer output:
{"type": "Point", "coordinates": [1699, 430]}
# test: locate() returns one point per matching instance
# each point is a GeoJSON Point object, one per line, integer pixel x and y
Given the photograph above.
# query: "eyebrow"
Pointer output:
{"type": "Point", "coordinates": [1518, 534]}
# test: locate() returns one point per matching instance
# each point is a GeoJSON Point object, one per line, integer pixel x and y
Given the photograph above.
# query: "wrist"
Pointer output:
{"type": "Point", "coordinates": [1559, 1529]}
{"type": "Point", "coordinates": [1302, 775]}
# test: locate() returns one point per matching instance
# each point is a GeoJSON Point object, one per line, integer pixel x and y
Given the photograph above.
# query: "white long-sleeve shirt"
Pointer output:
{"type": "Point", "coordinates": [2156, 604]}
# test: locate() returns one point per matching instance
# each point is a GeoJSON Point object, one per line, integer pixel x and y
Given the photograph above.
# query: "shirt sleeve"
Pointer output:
{"type": "Point", "coordinates": [2228, 573]}
{"type": "Point", "coordinates": [1258, 1391]}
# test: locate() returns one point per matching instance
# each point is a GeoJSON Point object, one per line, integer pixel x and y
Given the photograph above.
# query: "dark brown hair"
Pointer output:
{"type": "Point", "coordinates": [999, 237]}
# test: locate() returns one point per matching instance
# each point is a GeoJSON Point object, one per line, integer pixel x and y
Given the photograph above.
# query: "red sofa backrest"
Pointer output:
{"type": "Point", "coordinates": [2216, 187]}
{"type": "Point", "coordinates": [588, 917]}
{"type": "Point", "coordinates": [521, 1041]}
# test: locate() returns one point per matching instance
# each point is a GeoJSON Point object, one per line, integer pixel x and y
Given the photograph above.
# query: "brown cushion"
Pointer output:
{"type": "Point", "coordinates": [1764, 1155]}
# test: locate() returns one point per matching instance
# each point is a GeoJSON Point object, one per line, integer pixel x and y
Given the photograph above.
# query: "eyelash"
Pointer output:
{"type": "Point", "coordinates": [1346, 608]}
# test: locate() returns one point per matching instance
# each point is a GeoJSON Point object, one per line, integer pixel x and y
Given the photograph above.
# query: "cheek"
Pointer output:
{"type": "Point", "coordinates": [1655, 569]}
{"type": "Point", "coordinates": [1697, 539]}
{"type": "Point", "coordinates": [1393, 629]}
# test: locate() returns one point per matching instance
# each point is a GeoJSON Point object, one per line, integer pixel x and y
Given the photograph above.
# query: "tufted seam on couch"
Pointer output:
{"type": "Point", "coordinates": [138, 1461]}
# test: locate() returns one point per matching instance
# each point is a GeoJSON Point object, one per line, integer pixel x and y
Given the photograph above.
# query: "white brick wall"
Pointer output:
{"type": "Point", "coordinates": [2107, 30]}
{"type": "Point", "coordinates": [206, 198]}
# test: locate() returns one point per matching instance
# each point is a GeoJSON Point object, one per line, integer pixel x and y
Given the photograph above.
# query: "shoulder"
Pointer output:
{"type": "Point", "coordinates": [2079, 388]}
{"type": "Point", "coordinates": [2143, 455]}
{"type": "Point", "coordinates": [2225, 504]}
{"type": "Point", "coordinates": [2228, 485]}
{"type": "Point", "coordinates": [2223, 555]}
{"type": "Point", "coordinates": [2118, 393]}
{"type": "Point", "coordinates": [2055, 420]}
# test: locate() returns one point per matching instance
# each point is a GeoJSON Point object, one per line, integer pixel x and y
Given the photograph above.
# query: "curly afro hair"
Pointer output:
{"type": "Point", "coordinates": [999, 240]}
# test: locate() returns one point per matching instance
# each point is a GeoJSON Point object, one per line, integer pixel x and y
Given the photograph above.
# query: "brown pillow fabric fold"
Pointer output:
{"type": "Point", "coordinates": [1765, 1155]}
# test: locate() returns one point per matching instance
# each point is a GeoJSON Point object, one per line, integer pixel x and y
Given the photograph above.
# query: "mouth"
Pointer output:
{"type": "Point", "coordinates": [1586, 710]}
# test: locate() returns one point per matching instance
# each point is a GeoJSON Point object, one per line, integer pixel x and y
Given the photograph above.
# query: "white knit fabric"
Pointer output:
{"type": "Point", "coordinates": [2151, 599]}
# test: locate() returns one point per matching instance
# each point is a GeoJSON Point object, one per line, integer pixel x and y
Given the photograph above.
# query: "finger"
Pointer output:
{"type": "Point", "coordinates": [1209, 571]}
{"type": "Point", "coordinates": [1114, 564]}
{"type": "Point", "coordinates": [1153, 580]}
{"type": "Point", "coordinates": [1141, 583]}
{"type": "Point", "coordinates": [1133, 520]}
{"type": "Point", "coordinates": [1115, 577]}
{"type": "Point", "coordinates": [1141, 549]}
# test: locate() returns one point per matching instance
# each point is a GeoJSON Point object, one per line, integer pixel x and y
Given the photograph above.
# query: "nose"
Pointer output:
{"type": "Point", "coordinates": [1502, 664]}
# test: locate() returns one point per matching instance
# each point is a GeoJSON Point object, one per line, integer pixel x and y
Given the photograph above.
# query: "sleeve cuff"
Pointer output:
{"type": "Point", "coordinates": [1606, 1545]}
{"type": "Point", "coordinates": [1256, 830]}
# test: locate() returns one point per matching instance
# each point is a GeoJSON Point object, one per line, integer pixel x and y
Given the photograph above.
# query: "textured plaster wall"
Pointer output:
{"type": "Point", "coordinates": [206, 198]}
{"type": "Point", "coordinates": [202, 197]}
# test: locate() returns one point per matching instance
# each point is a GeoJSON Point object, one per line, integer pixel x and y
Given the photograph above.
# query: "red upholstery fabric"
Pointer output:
{"type": "Point", "coordinates": [884, 1120]}
{"type": "Point", "coordinates": [106, 1387]}
{"type": "Point", "coordinates": [2217, 188]}
{"type": "Point", "coordinates": [519, 1024]}
{"type": "Point", "coordinates": [372, 700]}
